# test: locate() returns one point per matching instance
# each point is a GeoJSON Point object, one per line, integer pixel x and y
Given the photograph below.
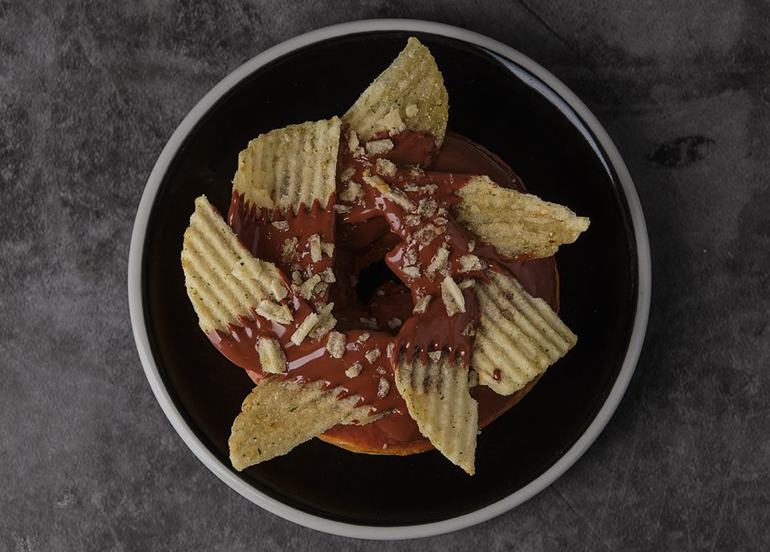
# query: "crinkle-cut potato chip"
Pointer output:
{"type": "Point", "coordinates": [409, 94]}
{"type": "Point", "coordinates": [290, 166]}
{"type": "Point", "coordinates": [518, 334]}
{"type": "Point", "coordinates": [437, 395]}
{"type": "Point", "coordinates": [210, 254]}
{"type": "Point", "coordinates": [280, 414]}
{"type": "Point", "coordinates": [516, 223]}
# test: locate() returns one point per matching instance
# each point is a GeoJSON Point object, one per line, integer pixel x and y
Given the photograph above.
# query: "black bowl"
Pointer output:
{"type": "Point", "coordinates": [507, 104]}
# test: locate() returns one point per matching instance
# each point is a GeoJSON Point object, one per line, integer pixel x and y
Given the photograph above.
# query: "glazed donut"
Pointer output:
{"type": "Point", "coordinates": [458, 325]}
{"type": "Point", "coordinates": [374, 220]}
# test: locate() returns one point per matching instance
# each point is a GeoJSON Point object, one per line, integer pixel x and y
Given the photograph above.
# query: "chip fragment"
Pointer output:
{"type": "Point", "coordinates": [335, 344]}
{"type": "Point", "coordinates": [452, 295]}
{"type": "Point", "coordinates": [275, 312]}
{"type": "Point", "coordinates": [271, 356]}
{"type": "Point", "coordinates": [409, 94]}
{"type": "Point", "coordinates": [438, 398]}
{"type": "Point", "coordinates": [223, 280]}
{"type": "Point", "coordinates": [290, 166]}
{"type": "Point", "coordinates": [304, 328]}
{"type": "Point", "coordinates": [516, 223]}
{"type": "Point", "coordinates": [518, 336]}
{"type": "Point", "coordinates": [280, 414]}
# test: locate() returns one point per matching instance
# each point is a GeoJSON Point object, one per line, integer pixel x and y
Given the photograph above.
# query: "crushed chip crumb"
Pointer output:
{"type": "Point", "coordinates": [378, 147]}
{"type": "Point", "coordinates": [452, 296]}
{"type": "Point", "coordinates": [394, 323]}
{"type": "Point", "coordinates": [336, 344]}
{"type": "Point", "coordinates": [355, 370]}
{"type": "Point", "coordinates": [428, 189]}
{"type": "Point", "coordinates": [411, 110]}
{"type": "Point", "coordinates": [411, 271]}
{"type": "Point", "coordinates": [400, 198]}
{"type": "Point", "coordinates": [289, 248]}
{"type": "Point", "coordinates": [469, 263]}
{"type": "Point", "coordinates": [301, 332]}
{"type": "Point", "coordinates": [412, 220]}
{"type": "Point", "coordinates": [410, 257]}
{"type": "Point", "coordinates": [372, 354]}
{"type": "Point", "coordinates": [351, 192]}
{"type": "Point", "coordinates": [377, 183]}
{"type": "Point", "coordinates": [385, 167]}
{"type": "Point", "coordinates": [439, 260]}
{"type": "Point", "coordinates": [320, 288]}
{"type": "Point", "coordinates": [435, 356]}
{"type": "Point", "coordinates": [274, 312]}
{"type": "Point", "coordinates": [422, 304]}
{"type": "Point", "coordinates": [347, 174]}
{"type": "Point", "coordinates": [281, 225]}
{"type": "Point", "coordinates": [427, 207]}
{"type": "Point", "coordinates": [326, 321]}
{"type": "Point", "coordinates": [381, 371]}
{"type": "Point", "coordinates": [315, 247]}
{"type": "Point", "coordinates": [363, 338]}
{"type": "Point", "coordinates": [383, 387]}
{"type": "Point", "coordinates": [395, 195]}
{"type": "Point", "coordinates": [328, 249]}
{"type": "Point", "coordinates": [271, 356]}
{"type": "Point", "coordinates": [306, 289]}
{"type": "Point", "coordinates": [328, 275]}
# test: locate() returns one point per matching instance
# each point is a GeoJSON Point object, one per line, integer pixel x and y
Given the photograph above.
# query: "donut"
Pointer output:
{"type": "Point", "coordinates": [370, 283]}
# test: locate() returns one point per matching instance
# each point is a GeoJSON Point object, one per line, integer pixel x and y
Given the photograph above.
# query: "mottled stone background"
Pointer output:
{"type": "Point", "coordinates": [90, 92]}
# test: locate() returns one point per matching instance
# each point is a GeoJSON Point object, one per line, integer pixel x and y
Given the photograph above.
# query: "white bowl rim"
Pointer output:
{"type": "Point", "coordinates": [300, 517]}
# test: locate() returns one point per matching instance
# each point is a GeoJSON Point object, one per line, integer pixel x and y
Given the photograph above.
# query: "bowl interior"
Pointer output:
{"type": "Point", "coordinates": [496, 104]}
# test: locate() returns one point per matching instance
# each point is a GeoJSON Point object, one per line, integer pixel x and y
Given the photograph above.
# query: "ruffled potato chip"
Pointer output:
{"type": "Point", "coordinates": [516, 224]}
{"type": "Point", "coordinates": [409, 95]}
{"type": "Point", "coordinates": [280, 414]}
{"type": "Point", "coordinates": [290, 166]}
{"type": "Point", "coordinates": [437, 395]}
{"type": "Point", "coordinates": [211, 254]}
{"type": "Point", "coordinates": [518, 337]}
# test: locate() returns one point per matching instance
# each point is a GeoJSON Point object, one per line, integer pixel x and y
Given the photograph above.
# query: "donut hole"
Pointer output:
{"type": "Point", "coordinates": [372, 278]}
{"type": "Point", "coordinates": [386, 298]}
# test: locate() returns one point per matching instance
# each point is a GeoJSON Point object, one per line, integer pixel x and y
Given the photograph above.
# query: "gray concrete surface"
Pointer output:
{"type": "Point", "coordinates": [89, 93]}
